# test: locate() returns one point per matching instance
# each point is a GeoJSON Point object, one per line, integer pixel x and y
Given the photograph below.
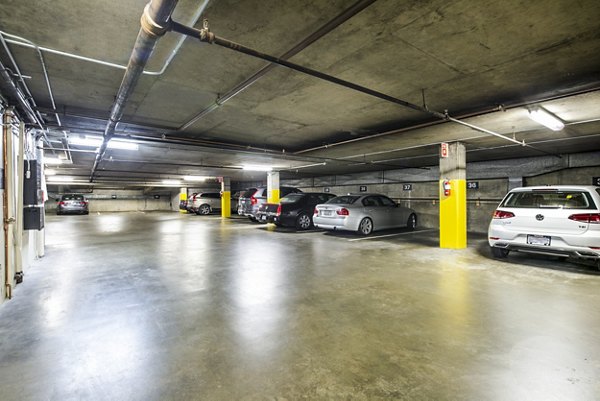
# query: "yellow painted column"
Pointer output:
{"type": "Point", "coordinates": [182, 198]}
{"type": "Point", "coordinates": [273, 187]}
{"type": "Point", "coordinates": [225, 197]}
{"type": "Point", "coordinates": [453, 196]}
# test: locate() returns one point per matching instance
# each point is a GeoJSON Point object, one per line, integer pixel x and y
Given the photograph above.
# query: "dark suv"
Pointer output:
{"type": "Point", "coordinates": [252, 198]}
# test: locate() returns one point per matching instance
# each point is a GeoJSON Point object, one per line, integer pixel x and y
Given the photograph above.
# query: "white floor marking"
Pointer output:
{"type": "Point", "coordinates": [392, 235]}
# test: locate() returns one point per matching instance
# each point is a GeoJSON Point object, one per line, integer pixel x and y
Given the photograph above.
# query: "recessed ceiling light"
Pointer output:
{"type": "Point", "coordinates": [96, 141]}
{"type": "Point", "coordinates": [60, 178]}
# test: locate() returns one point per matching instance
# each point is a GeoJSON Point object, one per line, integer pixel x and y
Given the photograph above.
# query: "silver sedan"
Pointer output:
{"type": "Point", "coordinates": [363, 213]}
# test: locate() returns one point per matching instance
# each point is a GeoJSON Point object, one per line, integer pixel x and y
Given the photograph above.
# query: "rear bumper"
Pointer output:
{"type": "Point", "coordinates": [574, 252]}
{"type": "Point", "coordinates": [328, 223]}
{"type": "Point", "coordinates": [74, 210]}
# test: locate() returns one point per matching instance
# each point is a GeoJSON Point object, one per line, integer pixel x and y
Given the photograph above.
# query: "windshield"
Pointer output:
{"type": "Point", "coordinates": [248, 193]}
{"type": "Point", "coordinates": [291, 198]}
{"type": "Point", "coordinates": [549, 199]}
{"type": "Point", "coordinates": [343, 200]}
{"type": "Point", "coordinates": [72, 197]}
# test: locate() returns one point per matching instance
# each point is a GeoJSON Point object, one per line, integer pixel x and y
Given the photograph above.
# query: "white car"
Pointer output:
{"type": "Point", "coordinates": [363, 213]}
{"type": "Point", "coordinates": [562, 220]}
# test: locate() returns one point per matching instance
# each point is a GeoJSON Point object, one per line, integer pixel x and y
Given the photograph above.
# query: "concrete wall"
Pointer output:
{"type": "Point", "coordinates": [122, 201]}
{"type": "Point", "coordinates": [495, 178]}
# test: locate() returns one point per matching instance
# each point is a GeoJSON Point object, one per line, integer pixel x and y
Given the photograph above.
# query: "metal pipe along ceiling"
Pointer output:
{"type": "Point", "coordinates": [318, 34]}
{"type": "Point", "coordinates": [155, 22]}
{"type": "Point", "coordinates": [205, 35]}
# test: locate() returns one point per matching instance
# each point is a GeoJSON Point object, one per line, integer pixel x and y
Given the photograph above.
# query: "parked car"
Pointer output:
{"type": "Point", "coordinates": [72, 203]}
{"type": "Point", "coordinates": [251, 200]}
{"type": "Point", "coordinates": [293, 210]}
{"type": "Point", "coordinates": [363, 213]}
{"type": "Point", "coordinates": [563, 221]}
{"type": "Point", "coordinates": [204, 203]}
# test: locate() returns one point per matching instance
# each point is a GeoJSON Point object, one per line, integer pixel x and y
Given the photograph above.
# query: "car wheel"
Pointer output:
{"type": "Point", "coordinates": [500, 253]}
{"type": "Point", "coordinates": [303, 222]}
{"type": "Point", "coordinates": [366, 226]}
{"type": "Point", "coordinates": [204, 209]}
{"type": "Point", "coordinates": [411, 223]}
{"type": "Point", "coordinates": [252, 219]}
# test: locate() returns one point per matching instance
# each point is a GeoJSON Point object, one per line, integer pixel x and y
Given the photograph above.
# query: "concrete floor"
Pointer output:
{"type": "Point", "coordinates": [163, 306]}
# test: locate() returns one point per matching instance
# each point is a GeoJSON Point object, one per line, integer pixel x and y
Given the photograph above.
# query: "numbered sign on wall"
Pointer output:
{"type": "Point", "coordinates": [407, 187]}
{"type": "Point", "coordinates": [596, 181]}
{"type": "Point", "coordinates": [472, 184]}
{"type": "Point", "coordinates": [363, 188]}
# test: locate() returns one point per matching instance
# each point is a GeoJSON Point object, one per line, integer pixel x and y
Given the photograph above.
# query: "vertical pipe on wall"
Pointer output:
{"type": "Point", "coordinates": [7, 150]}
{"type": "Point", "coordinates": [18, 230]}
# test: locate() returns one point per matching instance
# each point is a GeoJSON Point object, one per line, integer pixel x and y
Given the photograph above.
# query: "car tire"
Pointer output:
{"type": "Point", "coordinates": [204, 209]}
{"type": "Point", "coordinates": [252, 219]}
{"type": "Point", "coordinates": [500, 253]}
{"type": "Point", "coordinates": [365, 227]}
{"type": "Point", "coordinates": [303, 222]}
{"type": "Point", "coordinates": [411, 223]}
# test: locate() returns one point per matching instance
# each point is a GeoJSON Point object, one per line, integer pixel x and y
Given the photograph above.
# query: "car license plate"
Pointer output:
{"type": "Point", "coordinates": [263, 218]}
{"type": "Point", "coordinates": [543, 240]}
{"type": "Point", "coordinates": [327, 213]}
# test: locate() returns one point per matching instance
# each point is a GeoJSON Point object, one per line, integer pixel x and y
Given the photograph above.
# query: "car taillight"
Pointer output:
{"type": "Point", "coordinates": [586, 217]}
{"type": "Point", "coordinates": [62, 203]}
{"type": "Point", "coordinates": [343, 212]}
{"type": "Point", "coordinates": [316, 212]}
{"type": "Point", "coordinates": [278, 210]}
{"type": "Point", "coordinates": [501, 214]}
{"type": "Point", "coordinates": [253, 200]}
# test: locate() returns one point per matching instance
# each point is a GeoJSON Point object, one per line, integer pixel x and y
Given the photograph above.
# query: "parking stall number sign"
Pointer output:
{"type": "Point", "coordinates": [407, 187]}
{"type": "Point", "coordinates": [363, 188]}
{"type": "Point", "coordinates": [596, 181]}
{"type": "Point", "coordinates": [472, 184]}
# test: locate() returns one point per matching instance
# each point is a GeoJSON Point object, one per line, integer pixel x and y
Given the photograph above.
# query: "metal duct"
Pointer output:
{"type": "Point", "coordinates": [155, 22]}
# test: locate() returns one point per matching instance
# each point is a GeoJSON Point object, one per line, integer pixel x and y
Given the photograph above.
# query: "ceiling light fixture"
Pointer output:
{"type": "Point", "coordinates": [546, 118]}
{"type": "Point", "coordinates": [53, 160]}
{"type": "Point", "coordinates": [251, 167]}
{"type": "Point", "coordinates": [60, 178]}
{"type": "Point", "coordinates": [194, 178]}
{"type": "Point", "coordinates": [96, 142]}
{"type": "Point", "coordinates": [49, 171]}
{"type": "Point", "coordinates": [171, 182]}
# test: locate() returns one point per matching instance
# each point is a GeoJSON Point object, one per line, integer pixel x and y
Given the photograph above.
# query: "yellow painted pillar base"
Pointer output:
{"type": "Point", "coordinates": [226, 204]}
{"type": "Point", "coordinates": [182, 198]}
{"type": "Point", "coordinates": [274, 196]}
{"type": "Point", "coordinates": [453, 215]}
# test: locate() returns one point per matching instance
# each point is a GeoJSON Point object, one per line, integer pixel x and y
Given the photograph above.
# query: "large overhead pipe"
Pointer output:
{"type": "Point", "coordinates": [155, 22]}
{"type": "Point", "coordinates": [205, 35]}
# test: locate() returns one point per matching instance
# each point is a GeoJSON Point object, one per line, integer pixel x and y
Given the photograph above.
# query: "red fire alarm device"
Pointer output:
{"type": "Point", "coordinates": [444, 149]}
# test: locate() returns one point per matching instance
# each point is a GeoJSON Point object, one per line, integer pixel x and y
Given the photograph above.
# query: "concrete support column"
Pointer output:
{"type": "Point", "coordinates": [225, 197]}
{"type": "Point", "coordinates": [453, 199]}
{"type": "Point", "coordinates": [273, 187]}
{"type": "Point", "coordinates": [182, 198]}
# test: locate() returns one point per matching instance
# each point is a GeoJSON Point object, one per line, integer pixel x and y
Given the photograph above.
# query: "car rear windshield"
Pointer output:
{"type": "Point", "coordinates": [72, 197]}
{"type": "Point", "coordinates": [248, 193]}
{"type": "Point", "coordinates": [291, 198]}
{"type": "Point", "coordinates": [548, 199]}
{"type": "Point", "coordinates": [343, 200]}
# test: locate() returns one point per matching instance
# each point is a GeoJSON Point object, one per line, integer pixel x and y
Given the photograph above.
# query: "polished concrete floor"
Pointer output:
{"type": "Point", "coordinates": [164, 306]}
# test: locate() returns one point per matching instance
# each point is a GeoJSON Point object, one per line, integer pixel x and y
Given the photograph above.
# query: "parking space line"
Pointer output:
{"type": "Point", "coordinates": [392, 235]}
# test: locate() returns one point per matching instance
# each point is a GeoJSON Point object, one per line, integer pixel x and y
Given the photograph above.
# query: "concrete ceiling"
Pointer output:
{"type": "Point", "coordinates": [466, 57]}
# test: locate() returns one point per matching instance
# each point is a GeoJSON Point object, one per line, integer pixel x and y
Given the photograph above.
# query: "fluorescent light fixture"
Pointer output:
{"type": "Point", "coordinates": [60, 178]}
{"type": "Point", "coordinates": [95, 142]}
{"type": "Point", "coordinates": [194, 178]}
{"type": "Point", "coordinates": [171, 182]}
{"type": "Point", "coordinates": [251, 167]}
{"type": "Point", "coordinates": [546, 118]}
{"type": "Point", "coordinates": [49, 171]}
{"type": "Point", "coordinates": [53, 160]}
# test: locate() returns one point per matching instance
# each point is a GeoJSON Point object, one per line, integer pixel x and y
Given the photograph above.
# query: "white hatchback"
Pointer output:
{"type": "Point", "coordinates": [562, 220]}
